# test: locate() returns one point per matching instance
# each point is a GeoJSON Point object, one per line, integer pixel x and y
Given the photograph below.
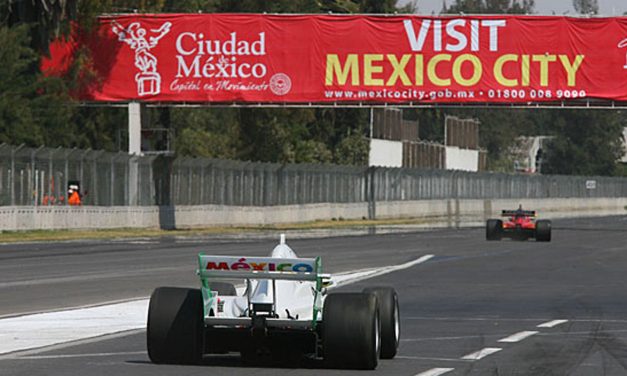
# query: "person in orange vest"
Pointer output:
{"type": "Point", "coordinates": [74, 197]}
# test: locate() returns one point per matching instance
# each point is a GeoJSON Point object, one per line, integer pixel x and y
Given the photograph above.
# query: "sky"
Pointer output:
{"type": "Point", "coordinates": [606, 7]}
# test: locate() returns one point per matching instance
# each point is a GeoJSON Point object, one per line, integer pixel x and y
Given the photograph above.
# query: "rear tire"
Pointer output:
{"type": "Point", "coordinates": [351, 330]}
{"type": "Point", "coordinates": [493, 229]}
{"type": "Point", "coordinates": [389, 314]}
{"type": "Point", "coordinates": [175, 326]}
{"type": "Point", "coordinates": [543, 231]}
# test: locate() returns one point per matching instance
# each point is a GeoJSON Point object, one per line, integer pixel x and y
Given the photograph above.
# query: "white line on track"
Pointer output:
{"type": "Point", "coordinates": [41, 330]}
{"type": "Point", "coordinates": [341, 279]}
{"type": "Point", "coordinates": [552, 324]}
{"type": "Point", "coordinates": [451, 338]}
{"type": "Point", "coordinates": [63, 356]}
{"type": "Point", "coordinates": [90, 277]}
{"type": "Point", "coordinates": [65, 345]}
{"type": "Point", "coordinates": [430, 358]}
{"type": "Point", "coordinates": [481, 353]}
{"type": "Point", "coordinates": [518, 336]}
{"type": "Point", "coordinates": [45, 329]}
{"type": "Point", "coordinates": [435, 372]}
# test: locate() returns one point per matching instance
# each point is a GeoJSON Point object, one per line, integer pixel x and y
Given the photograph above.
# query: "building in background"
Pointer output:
{"type": "Point", "coordinates": [394, 142]}
{"type": "Point", "coordinates": [528, 153]}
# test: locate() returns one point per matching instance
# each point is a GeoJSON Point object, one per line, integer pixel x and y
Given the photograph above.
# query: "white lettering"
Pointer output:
{"type": "Point", "coordinates": [474, 35]}
{"type": "Point", "coordinates": [187, 70]}
{"type": "Point", "coordinates": [417, 42]}
{"type": "Point", "coordinates": [179, 43]}
{"type": "Point", "coordinates": [457, 31]}
{"type": "Point", "coordinates": [461, 39]}
{"type": "Point", "coordinates": [437, 36]}
{"type": "Point", "coordinates": [259, 47]}
{"type": "Point", "coordinates": [494, 32]}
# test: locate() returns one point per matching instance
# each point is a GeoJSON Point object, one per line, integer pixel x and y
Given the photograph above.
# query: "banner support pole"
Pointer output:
{"type": "Point", "coordinates": [134, 128]}
{"type": "Point", "coordinates": [134, 148]}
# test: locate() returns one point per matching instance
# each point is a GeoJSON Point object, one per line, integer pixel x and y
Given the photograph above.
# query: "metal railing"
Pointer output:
{"type": "Point", "coordinates": [39, 176]}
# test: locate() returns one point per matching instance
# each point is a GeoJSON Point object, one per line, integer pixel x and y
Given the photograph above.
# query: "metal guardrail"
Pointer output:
{"type": "Point", "coordinates": [39, 176]}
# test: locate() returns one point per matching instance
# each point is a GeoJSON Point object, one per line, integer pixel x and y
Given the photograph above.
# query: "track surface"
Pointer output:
{"type": "Point", "coordinates": [455, 308]}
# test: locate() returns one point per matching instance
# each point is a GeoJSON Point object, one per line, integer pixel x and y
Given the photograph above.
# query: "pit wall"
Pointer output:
{"type": "Point", "coordinates": [436, 213]}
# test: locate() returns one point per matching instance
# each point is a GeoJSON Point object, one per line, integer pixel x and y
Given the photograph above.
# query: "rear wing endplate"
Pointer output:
{"type": "Point", "coordinates": [298, 269]}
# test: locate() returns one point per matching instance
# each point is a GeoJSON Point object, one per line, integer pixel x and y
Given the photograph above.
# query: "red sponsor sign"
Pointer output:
{"type": "Point", "coordinates": [255, 58]}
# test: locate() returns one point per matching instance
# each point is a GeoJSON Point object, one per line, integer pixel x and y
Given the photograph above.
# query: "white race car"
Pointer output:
{"type": "Point", "coordinates": [282, 312]}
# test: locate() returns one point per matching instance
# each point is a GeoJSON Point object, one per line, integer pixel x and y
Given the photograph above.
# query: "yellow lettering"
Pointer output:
{"type": "Point", "coordinates": [544, 61]}
{"type": "Point", "coordinates": [351, 65]}
{"type": "Point", "coordinates": [431, 67]}
{"type": "Point", "coordinates": [399, 70]}
{"type": "Point", "coordinates": [571, 69]}
{"type": "Point", "coordinates": [498, 70]}
{"type": "Point", "coordinates": [476, 72]}
{"type": "Point", "coordinates": [420, 67]}
{"type": "Point", "coordinates": [369, 69]}
{"type": "Point", "coordinates": [524, 70]}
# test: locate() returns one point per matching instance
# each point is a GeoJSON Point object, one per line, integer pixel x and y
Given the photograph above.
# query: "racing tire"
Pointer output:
{"type": "Point", "coordinates": [223, 288]}
{"type": "Point", "coordinates": [175, 326]}
{"type": "Point", "coordinates": [493, 229]}
{"type": "Point", "coordinates": [351, 331]}
{"type": "Point", "coordinates": [543, 231]}
{"type": "Point", "coordinates": [389, 314]}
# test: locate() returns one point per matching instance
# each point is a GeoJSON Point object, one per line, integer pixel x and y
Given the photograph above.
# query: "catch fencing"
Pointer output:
{"type": "Point", "coordinates": [39, 176]}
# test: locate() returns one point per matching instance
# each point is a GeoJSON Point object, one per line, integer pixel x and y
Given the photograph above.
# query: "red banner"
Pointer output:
{"type": "Point", "coordinates": [253, 58]}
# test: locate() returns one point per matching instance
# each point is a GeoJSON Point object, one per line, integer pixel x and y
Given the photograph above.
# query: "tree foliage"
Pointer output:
{"type": "Point", "coordinates": [17, 87]}
{"type": "Point", "coordinates": [586, 6]}
{"type": "Point", "coordinates": [38, 110]}
{"type": "Point", "coordinates": [491, 6]}
{"type": "Point", "coordinates": [586, 143]}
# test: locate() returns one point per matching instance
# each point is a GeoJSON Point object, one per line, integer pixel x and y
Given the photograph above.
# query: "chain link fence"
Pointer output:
{"type": "Point", "coordinates": [40, 176]}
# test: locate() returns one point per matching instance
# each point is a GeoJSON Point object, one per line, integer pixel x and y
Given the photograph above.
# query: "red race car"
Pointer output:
{"type": "Point", "coordinates": [520, 225]}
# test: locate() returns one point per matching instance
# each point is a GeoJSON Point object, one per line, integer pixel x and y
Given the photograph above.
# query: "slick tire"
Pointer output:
{"type": "Point", "coordinates": [174, 329]}
{"type": "Point", "coordinates": [389, 314]}
{"type": "Point", "coordinates": [351, 331]}
{"type": "Point", "coordinates": [543, 231]}
{"type": "Point", "coordinates": [493, 229]}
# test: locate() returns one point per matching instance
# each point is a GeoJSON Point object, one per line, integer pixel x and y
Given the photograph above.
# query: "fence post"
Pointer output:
{"type": "Point", "coordinates": [66, 171]}
{"type": "Point", "coordinates": [370, 193]}
{"type": "Point", "coordinates": [132, 179]}
{"type": "Point", "coordinates": [112, 183]}
{"type": "Point", "coordinates": [12, 179]}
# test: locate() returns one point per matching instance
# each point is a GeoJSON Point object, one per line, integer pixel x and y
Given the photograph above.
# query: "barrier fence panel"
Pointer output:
{"type": "Point", "coordinates": [40, 176]}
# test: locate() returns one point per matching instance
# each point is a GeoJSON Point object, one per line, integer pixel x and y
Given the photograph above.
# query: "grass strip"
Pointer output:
{"type": "Point", "coordinates": [60, 235]}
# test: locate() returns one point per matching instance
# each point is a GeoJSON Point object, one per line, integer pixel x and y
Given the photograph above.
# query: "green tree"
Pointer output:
{"type": "Point", "coordinates": [17, 88]}
{"type": "Point", "coordinates": [212, 133]}
{"type": "Point", "coordinates": [586, 143]}
{"type": "Point", "coordinates": [35, 109]}
{"type": "Point", "coordinates": [352, 150]}
{"type": "Point", "coordinates": [491, 6]}
{"type": "Point", "coordinates": [586, 6]}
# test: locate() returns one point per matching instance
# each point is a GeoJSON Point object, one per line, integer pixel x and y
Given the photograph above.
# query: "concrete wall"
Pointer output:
{"type": "Point", "coordinates": [385, 153]}
{"type": "Point", "coordinates": [461, 159]}
{"type": "Point", "coordinates": [434, 212]}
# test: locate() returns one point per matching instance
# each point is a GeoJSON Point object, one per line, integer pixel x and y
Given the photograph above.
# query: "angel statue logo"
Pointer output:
{"type": "Point", "coordinates": [623, 44]}
{"type": "Point", "coordinates": [142, 41]}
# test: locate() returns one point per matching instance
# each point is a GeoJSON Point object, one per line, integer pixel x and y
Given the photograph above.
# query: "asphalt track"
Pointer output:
{"type": "Point", "coordinates": [475, 308]}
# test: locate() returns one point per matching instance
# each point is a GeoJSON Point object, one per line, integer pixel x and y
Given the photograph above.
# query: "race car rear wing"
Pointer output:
{"type": "Point", "coordinates": [255, 269]}
{"type": "Point", "coordinates": [511, 213]}
{"type": "Point", "coordinates": [298, 269]}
